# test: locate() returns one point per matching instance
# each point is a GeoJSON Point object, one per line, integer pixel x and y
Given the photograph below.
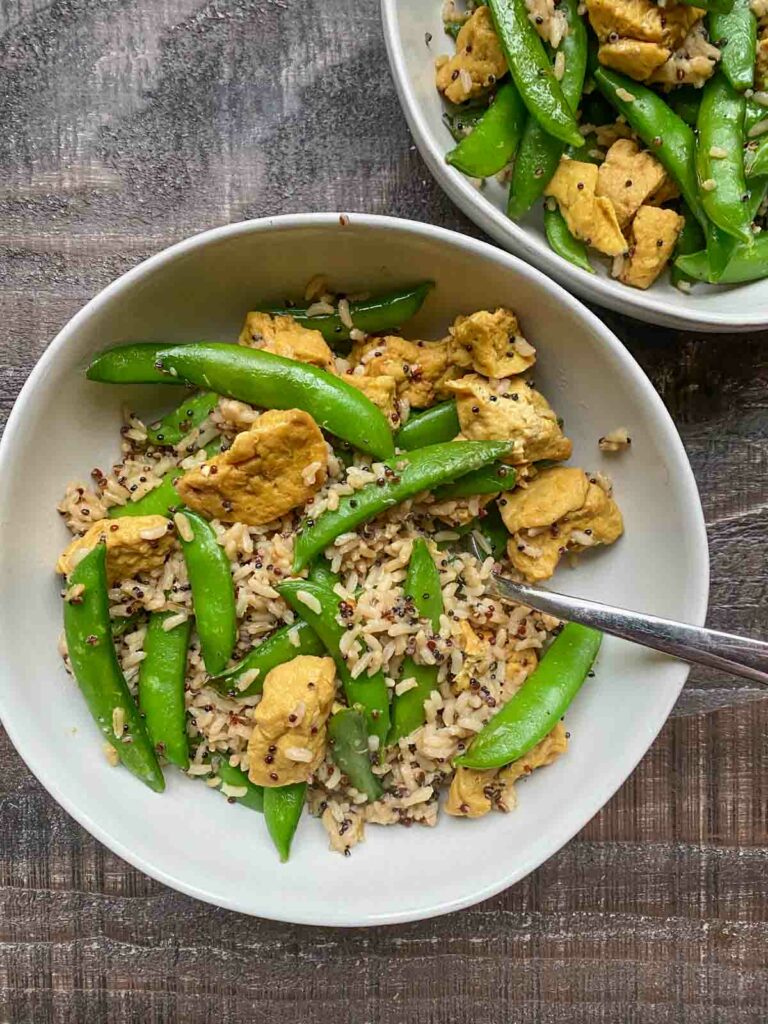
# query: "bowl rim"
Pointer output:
{"type": "Point", "coordinates": [642, 305]}
{"type": "Point", "coordinates": [571, 822]}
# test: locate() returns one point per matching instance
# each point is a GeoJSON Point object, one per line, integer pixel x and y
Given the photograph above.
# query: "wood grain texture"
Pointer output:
{"type": "Point", "coordinates": [129, 124]}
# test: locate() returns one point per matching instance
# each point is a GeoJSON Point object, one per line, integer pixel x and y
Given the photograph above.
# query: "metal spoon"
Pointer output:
{"type": "Point", "coordinates": [694, 644]}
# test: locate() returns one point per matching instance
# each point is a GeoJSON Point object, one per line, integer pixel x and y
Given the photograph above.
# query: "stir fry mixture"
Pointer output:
{"type": "Point", "coordinates": [642, 126]}
{"type": "Point", "coordinates": [284, 586]}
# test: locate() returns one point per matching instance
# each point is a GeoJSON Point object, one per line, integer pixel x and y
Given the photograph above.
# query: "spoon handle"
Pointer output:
{"type": "Point", "coordinates": [736, 654]}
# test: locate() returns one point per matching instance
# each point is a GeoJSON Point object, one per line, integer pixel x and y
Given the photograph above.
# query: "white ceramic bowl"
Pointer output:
{"type": "Point", "coordinates": [406, 26]}
{"type": "Point", "coordinates": [190, 838]}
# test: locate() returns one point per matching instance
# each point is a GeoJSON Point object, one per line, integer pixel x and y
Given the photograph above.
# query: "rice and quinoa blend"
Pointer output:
{"type": "Point", "coordinates": [484, 649]}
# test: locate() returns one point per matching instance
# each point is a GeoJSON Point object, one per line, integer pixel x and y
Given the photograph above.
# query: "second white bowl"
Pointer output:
{"type": "Point", "coordinates": [408, 26]}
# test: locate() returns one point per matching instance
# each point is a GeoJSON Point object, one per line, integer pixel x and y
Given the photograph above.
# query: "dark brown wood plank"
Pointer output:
{"type": "Point", "coordinates": [128, 124]}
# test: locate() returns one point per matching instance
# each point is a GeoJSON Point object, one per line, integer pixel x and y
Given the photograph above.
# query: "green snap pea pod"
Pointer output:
{"type": "Point", "coordinates": [489, 479]}
{"type": "Point", "coordinates": [157, 502]}
{"type": "Point", "coordinates": [463, 122]}
{"type": "Point", "coordinates": [685, 102]}
{"type": "Point", "coordinates": [130, 364]}
{"type": "Point", "coordinates": [539, 704]}
{"type": "Point", "coordinates": [748, 263]}
{"type": "Point", "coordinates": [368, 692]}
{"type": "Point", "coordinates": [562, 241]}
{"type": "Point", "coordinates": [539, 152]}
{"type": "Point", "coordinates": [668, 137]}
{"type": "Point", "coordinates": [756, 160]}
{"type": "Point", "coordinates": [754, 114]}
{"type": "Point", "coordinates": [253, 796]}
{"type": "Point", "coordinates": [721, 176]}
{"type": "Point", "coordinates": [409, 474]}
{"type": "Point", "coordinates": [213, 592]}
{"type": "Point", "coordinates": [125, 624]}
{"type": "Point", "coordinates": [177, 424]}
{"type": "Point", "coordinates": [273, 382]}
{"type": "Point", "coordinates": [381, 313]}
{"type": "Point", "coordinates": [492, 528]}
{"type": "Point", "coordinates": [735, 34]}
{"type": "Point", "coordinates": [161, 687]}
{"type": "Point", "coordinates": [440, 423]}
{"type": "Point", "coordinates": [275, 650]}
{"type": "Point", "coordinates": [722, 6]}
{"type": "Point", "coordinates": [690, 239]}
{"type": "Point", "coordinates": [282, 809]}
{"type": "Point", "coordinates": [95, 666]}
{"type": "Point", "coordinates": [532, 72]}
{"type": "Point", "coordinates": [493, 143]}
{"type": "Point", "coordinates": [422, 585]}
{"type": "Point", "coordinates": [320, 572]}
{"type": "Point", "coordinates": [348, 741]}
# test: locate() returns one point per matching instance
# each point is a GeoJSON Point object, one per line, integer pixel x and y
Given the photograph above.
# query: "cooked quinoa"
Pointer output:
{"type": "Point", "coordinates": [484, 649]}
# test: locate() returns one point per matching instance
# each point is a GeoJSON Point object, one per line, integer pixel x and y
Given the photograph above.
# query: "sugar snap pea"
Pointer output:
{"type": "Point", "coordinates": [720, 158]}
{"type": "Point", "coordinates": [253, 797]}
{"type": "Point", "coordinates": [370, 693]}
{"type": "Point", "coordinates": [735, 34]}
{"type": "Point", "coordinates": [685, 102]}
{"type": "Point", "coordinates": [723, 6]}
{"type": "Point", "coordinates": [489, 479]}
{"type": "Point", "coordinates": [282, 809]}
{"type": "Point", "coordinates": [125, 623]}
{"type": "Point", "coordinates": [532, 72]}
{"type": "Point", "coordinates": [273, 382]}
{"type": "Point", "coordinates": [161, 687]}
{"type": "Point", "coordinates": [407, 475]}
{"type": "Point", "coordinates": [135, 363]}
{"type": "Point", "coordinates": [562, 241]}
{"type": "Point", "coordinates": [747, 263]}
{"type": "Point", "coordinates": [275, 650]}
{"type": "Point", "coordinates": [348, 742]}
{"type": "Point", "coordinates": [213, 592]}
{"type": "Point", "coordinates": [690, 239]}
{"type": "Point", "coordinates": [495, 138]}
{"type": "Point", "coordinates": [440, 423]}
{"type": "Point", "coordinates": [491, 527]}
{"type": "Point", "coordinates": [422, 586]}
{"type": "Point", "coordinates": [461, 122]}
{"type": "Point", "coordinates": [756, 160]}
{"type": "Point", "coordinates": [540, 152]}
{"type": "Point", "coordinates": [539, 704]}
{"type": "Point", "coordinates": [95, 666]}
{"type": "Point", "coordinates": [374, 315]}
{"type": "Point", "coordinates": [177, 424]}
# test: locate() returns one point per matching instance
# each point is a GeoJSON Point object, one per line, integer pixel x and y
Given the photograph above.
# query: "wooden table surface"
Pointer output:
{"type": "Point", "coordinates": [129, 124]}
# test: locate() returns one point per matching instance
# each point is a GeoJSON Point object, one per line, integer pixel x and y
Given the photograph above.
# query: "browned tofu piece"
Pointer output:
{"type": "Point", "coordinates": [276, 466]}
{"type": "Point", "coordinates": [418, 368]}
{"type": "Point", "coordinates": [288, 739]}
{"type": "Point", "coordinates": [560, 510]}
{"type": "Point", "coordinates": [283, 336]}
{"type": "Point", "coordinates": [761, 61]}
{"type": "Point", "coordinates": [519, 413]}
{"type": "Point", "coordinates": [381, 390]}
{"type": "Point", "coordinates": [478, 62]}
{"type": "Point", "coordinates": [652, 240]}
{"type": "Point", "coordinates": [628, 176]}
{"type": "Point", "coordinates": [692, 63]}
{"type": "Point", "coordinates": [491, 344]}
{"type": "Point", "coordinates": [633, 57]}
{"type": "Point", "coordinates": [135, 544]}
{"type": "Point", "coordinates": [589, 217]}
{"type": "Point", "coordinates": [643, 20]}
{"type": "Point", "coordinates": [474, 793]}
